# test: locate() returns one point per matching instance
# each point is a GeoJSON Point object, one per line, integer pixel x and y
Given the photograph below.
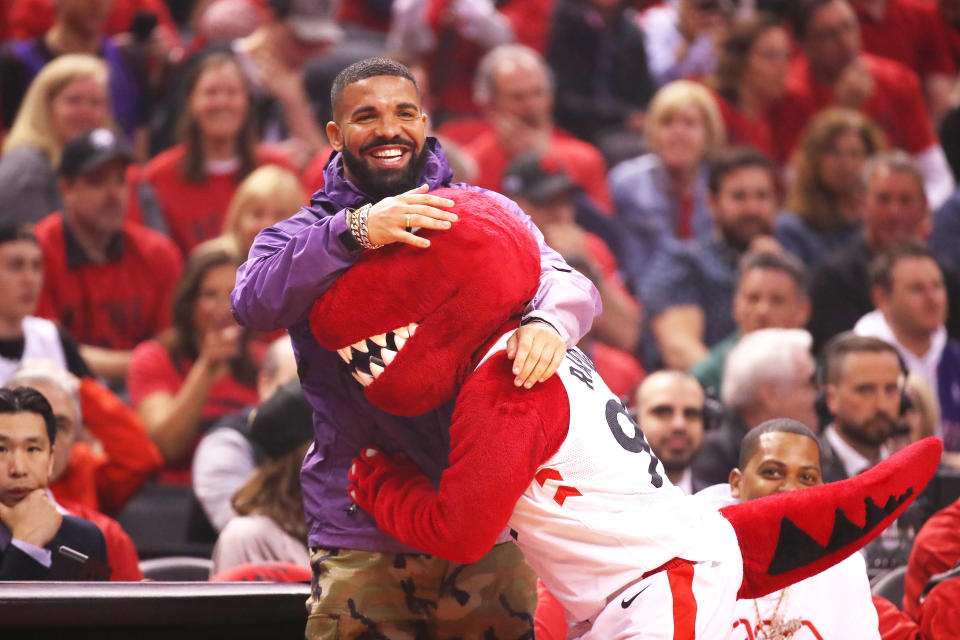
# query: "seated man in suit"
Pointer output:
{"type": "Point", "coordinates": [31, 528]}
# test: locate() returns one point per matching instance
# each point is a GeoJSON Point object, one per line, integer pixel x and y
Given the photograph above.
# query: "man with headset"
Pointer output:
{"type": "Point", "coordinates": [863, 384]}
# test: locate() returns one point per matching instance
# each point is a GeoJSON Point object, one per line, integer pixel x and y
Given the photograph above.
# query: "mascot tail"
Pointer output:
{"type": "Point", "coordinates": [787, 537]}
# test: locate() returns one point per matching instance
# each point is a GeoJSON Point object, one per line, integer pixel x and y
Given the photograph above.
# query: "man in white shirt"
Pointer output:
{"type": "Point", "coordinates": [864, 384]}
{"type": "Point", "coordinates": [784, 455]}
{"type": "Point", "coordinates": [908, 290]}
{"type": "Point", "coordinates": [669, 408]}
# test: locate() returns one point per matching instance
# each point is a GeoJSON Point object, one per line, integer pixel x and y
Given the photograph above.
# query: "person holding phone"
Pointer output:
{"type": "Point", "coordinates": [37, 542]}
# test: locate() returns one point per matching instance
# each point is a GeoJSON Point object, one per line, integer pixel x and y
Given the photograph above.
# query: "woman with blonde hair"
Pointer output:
{"type": "Point", "coordinates": [68, 97]}
{"type": "Point", "coordinates": [267, 196]}
{"type": "Point", "coordinates": [663, 194]}
{"type": "Point", "coordinates": [826, 190]}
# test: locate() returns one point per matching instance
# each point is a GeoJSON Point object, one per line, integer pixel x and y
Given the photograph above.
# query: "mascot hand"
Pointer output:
{"type": "Point", "coordinates": [537, 351]}
{"type": "Point", "coordinates": [371, 471]}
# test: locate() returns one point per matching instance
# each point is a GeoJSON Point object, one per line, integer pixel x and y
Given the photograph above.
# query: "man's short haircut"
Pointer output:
{"type": "Point", "coordinates": [14, 231]}
{"type": "Point", "coordinates": [27, 400]}
{"type": "Point", "coordinates": [734, 159]}
{"type": "Point", "coordinates": [674, 374]}
{"type": "Point", "coordinates": [751, 442]}
{"type": "Point", "coordinates": [368, 68]}
{"type": "Point", "coordinates": [896, 161]}
{"type": "Point", "coordinates": [484, 86]}
{"type": "Point", "coordinates": [882, 265]}
{"type": "Point", "coordinates": [765, 356]}
{"type": "Point", "coordinates": [800, 14]}
{"type": "Point", "coordinates": [835, 352]}
{"type": "Point", "coordinates": [775, 261]}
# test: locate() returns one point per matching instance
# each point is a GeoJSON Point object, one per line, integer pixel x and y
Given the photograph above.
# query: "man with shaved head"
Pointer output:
{"type": "Point", "coordinates": [669, 409]}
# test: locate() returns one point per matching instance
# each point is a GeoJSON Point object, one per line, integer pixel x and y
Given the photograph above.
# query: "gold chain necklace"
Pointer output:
{"type": "Point", "coordinates": [775, 628]}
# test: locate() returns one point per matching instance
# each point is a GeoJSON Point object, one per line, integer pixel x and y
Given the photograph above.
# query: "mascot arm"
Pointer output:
{"type": "Point", "coordinates": [565, 298]}
{"type": "Point", "coordinates": [787, 537]}
{"type": "Point", "coordinates": [499, 437]}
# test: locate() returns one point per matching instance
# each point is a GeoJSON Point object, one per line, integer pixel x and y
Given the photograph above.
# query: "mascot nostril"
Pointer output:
{"type": "Point", "coordinates": [408, 322]}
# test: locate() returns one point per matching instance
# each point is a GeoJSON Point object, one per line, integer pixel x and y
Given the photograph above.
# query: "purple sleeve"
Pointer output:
{"type": "Point", "coordinates": [566, 299]}
{"type": "Point", "coordinates": [290, 265]}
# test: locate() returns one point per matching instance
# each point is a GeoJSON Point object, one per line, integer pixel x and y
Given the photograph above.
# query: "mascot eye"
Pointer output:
{"type": "Point", "coordinates": [369, 358]}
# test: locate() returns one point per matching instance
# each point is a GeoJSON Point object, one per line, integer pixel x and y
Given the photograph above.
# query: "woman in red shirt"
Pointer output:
{"type": "Point", "coordinates": [185, 191]}
{"type": "Point", "coordinates": [750, 77]}
{"type": "Point", "coordinates": [198, 370]}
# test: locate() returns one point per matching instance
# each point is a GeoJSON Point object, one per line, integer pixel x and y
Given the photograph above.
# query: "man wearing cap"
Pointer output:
{"type": "Point", "coordinates": [367, 583]}
{"type": "Point", "coordinates": [106, 282]}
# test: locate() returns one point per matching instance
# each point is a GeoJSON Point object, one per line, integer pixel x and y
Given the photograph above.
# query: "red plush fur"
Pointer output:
{"type": "Point", "coordinates": [455, 290]}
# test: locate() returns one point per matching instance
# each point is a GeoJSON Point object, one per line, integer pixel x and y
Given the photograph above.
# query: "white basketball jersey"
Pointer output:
{"type": "Point", "coordinates": [601, 511]}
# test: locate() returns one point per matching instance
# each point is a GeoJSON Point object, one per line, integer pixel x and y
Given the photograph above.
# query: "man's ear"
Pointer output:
{"type": "Point", "coordinates": [803, 313]}
{"type": "Point", "coordinates": [333, 135]}
{"type": "Point", "coordinates": [879, 296]}
{"type": "Point", "coordinates": [50, 464]}
{"type": "Point", "coordinates": [736, 477]}
{"type": "Point", "coordinates": [830, 395]}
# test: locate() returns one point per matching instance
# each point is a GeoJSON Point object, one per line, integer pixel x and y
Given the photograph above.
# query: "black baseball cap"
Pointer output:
{"type": "Point", "coordinates": [283, 422]}
{"type": "Point", "coordinates": [536, 178]}
{"type": "Point", "coordinates": [91, 150]}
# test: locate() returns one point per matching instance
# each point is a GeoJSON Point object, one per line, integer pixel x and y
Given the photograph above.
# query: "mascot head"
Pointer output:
{"type": "Point", "coordinates": [410, 323]}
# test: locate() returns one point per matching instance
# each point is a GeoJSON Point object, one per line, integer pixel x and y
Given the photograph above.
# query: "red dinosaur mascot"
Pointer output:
{"type": "Point", "coordinates": [563, 465]}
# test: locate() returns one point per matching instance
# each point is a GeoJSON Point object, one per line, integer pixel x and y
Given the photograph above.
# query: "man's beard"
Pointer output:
{"type": "Point", "coordinates": [872, 432]}
{"type": "Point", "coordinates": [383, 183]}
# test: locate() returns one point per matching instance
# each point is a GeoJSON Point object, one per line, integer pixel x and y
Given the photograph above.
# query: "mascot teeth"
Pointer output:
{"type": "Point", "coordinates": [370, 357]}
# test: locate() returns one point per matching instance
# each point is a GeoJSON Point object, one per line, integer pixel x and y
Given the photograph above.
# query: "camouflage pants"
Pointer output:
{"type": "Point", "coordinates": [364, 595]}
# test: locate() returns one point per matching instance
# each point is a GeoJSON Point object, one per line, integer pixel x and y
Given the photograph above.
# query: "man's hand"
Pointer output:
{"type": "Point", "coordinates": [393, 218]}
{"type": "Point", "coordinates": [537, 351]}
{"type": "Point", "coordinates": [517, 136]}
{"type": "Point", "coordinates": [34, 519]}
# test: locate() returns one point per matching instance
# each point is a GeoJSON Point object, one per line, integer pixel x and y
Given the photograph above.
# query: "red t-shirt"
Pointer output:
{"type": "Point", "coordinates": [897, 105]}
{"type": "Point", "coordinates": [742, 130]}
{"type": "Point", "coordinates": [581, 161]}
{"type": "Point", "coordinates": [152, 370]}
{"type": "Point", "coordinates": [32, 18]}
{"type": "Point", "coordinates": [115, 305]}
{"type": "Point", "coordinates": [909, 33]}
{"type": "Point", "coordinates": [452, 65]}
{"type": "Point", "coordinates": [193, 212]}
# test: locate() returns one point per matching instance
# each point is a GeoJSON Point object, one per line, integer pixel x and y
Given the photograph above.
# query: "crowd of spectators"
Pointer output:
{"type": "Point", "coordinates": [764, 194]}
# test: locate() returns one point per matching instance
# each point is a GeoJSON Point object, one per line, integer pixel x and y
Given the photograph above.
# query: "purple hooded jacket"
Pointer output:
{"type": "Point", "coordinates": [290, 265]}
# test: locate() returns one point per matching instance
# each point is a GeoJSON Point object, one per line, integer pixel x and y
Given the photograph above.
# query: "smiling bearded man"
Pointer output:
{"type": "Point", "coordinates": [366, 582]}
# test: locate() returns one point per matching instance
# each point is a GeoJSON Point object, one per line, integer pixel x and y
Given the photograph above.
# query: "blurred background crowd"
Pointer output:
{"type": "Point", "coordinates": [763, 191]}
